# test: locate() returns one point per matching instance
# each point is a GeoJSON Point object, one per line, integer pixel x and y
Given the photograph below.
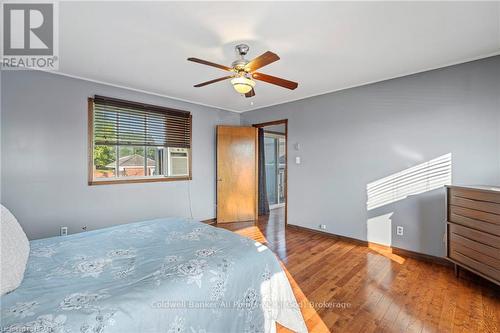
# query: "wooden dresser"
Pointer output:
{"type": "Point", "coordinates": [473, 230]}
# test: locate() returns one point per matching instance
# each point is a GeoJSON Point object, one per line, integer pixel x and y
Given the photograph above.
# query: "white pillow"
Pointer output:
{"type": "Point", "coordinates": [14, 252]}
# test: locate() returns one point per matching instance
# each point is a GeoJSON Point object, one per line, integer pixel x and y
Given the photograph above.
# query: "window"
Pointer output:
{"type": "Point", "coordinates": [134, 142]}
{"type": "Point", "coordinates": [275, 158]}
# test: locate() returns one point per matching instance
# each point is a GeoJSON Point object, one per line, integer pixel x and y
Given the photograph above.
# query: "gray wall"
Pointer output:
{"type": "Point", "coordinates": [347, 140]}
{"type": "Point", "coordinates": [276, 128]}
{"type": "Point", "coordinates": [356, 136]}
{"type": "Point", "coordinates": [44, 159]}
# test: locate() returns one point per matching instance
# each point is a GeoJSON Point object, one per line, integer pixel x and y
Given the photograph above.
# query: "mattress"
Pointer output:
{"type": "Point", "coordinates": [164, 275]}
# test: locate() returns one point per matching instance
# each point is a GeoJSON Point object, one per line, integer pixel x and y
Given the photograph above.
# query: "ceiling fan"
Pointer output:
{"type": "Point", "coordinates": [244, 72]}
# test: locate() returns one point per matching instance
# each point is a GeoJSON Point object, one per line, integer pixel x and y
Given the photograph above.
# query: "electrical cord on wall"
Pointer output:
{"type": "Point", "coordinates": [219, 121]}
{"type": "Point", "coordinates": [189, 199]}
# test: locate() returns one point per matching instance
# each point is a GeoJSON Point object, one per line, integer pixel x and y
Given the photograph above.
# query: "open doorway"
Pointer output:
{"type": "Point", "coordinates": [273, 172]}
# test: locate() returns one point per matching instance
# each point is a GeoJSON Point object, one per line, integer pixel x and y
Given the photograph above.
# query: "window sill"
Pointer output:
{"type": "Point", "coordinates": [138, 180]}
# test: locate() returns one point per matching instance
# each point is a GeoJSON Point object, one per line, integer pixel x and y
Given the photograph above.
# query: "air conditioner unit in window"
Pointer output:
{"type": "Point", "coordinates": [178, 162]}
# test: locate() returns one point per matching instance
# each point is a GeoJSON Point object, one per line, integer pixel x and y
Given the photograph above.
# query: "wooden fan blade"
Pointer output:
{"type": "Point", "coordinates": [208, 63]}
{"type": "Point", "coordinates": [251, 93]}
{"type": "Point", "coordinates": [275, 80]}
{"type": "Point", "coordinates": [213, 81]}
{"type": "Point", "coordinates": [261, 61]}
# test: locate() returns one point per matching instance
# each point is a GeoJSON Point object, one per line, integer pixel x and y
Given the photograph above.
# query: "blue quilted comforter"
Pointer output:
{"type": "Point", "coordinates": [166, 275]}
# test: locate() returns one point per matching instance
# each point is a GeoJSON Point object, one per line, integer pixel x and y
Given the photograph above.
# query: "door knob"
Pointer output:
{"type": "Point", "coordinates": [219, 179]}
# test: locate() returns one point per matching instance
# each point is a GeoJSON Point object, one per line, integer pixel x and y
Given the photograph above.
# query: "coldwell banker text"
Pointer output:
{"type": "Point", "coordinates": [30, 38]}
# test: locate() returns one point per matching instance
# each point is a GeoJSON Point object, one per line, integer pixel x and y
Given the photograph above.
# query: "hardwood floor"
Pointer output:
{"type": "Point", "coordinates": [346, 287]}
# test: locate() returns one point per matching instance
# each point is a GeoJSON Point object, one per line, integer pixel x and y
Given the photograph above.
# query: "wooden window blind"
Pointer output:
{"type": "Point", "coordinates": [118, 122]}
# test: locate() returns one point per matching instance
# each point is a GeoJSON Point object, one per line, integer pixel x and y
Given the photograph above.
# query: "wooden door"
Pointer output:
{"type": "Point", "coordinates": [236, 174]}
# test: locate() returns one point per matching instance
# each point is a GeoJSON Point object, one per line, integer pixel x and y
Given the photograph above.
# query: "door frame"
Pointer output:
{"type": "Point", "coordinates": [279, 122]}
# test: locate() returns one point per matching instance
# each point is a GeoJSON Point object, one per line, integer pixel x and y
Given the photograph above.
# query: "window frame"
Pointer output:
{"type": "Point", "coordinates": [130, 180]}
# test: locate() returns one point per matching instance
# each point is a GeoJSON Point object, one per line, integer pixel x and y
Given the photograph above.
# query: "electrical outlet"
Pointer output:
{"type": "Point", "coordinates": [64, 231]}
{"type": "Point", "coordinates": [322, 226]}
{"type": "Point", "coordinates": [399, 230]}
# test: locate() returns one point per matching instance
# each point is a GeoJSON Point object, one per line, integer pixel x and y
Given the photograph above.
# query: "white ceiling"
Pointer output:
{"type": "Point", "coordinates": [324, 46]}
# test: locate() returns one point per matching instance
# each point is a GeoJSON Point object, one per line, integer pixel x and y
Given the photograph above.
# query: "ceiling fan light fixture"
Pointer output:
{"type": "Point", "coordinates": [242, 84]}
{"type": "Point", "coordinates": [243, 71]}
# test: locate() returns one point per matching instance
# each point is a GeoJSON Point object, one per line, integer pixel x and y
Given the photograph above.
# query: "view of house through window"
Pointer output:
{"type": "Point", "coordinates": [138, 141]}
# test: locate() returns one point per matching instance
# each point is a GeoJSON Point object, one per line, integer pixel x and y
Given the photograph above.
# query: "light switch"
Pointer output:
{"type": "Point", "coordinates": [297, 146]}
{"type": "Point", "coordinates": [297, 159]}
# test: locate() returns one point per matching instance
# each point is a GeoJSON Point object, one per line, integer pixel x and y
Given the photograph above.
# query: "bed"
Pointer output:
{"type": "Point", "coordinates": [164, 275]}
